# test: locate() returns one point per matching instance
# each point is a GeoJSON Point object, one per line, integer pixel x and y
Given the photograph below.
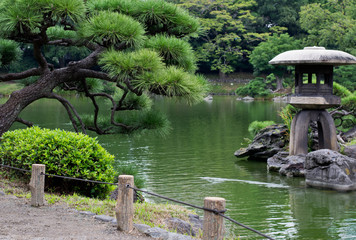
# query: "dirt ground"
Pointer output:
{"type": "Point", "coordinates": [18, 220]}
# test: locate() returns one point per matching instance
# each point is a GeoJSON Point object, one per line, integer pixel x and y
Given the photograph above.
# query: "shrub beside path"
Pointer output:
{"type": "Point", "coordinates": [20, 221]}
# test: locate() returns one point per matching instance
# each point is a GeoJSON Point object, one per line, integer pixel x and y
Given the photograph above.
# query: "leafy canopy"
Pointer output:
{"type": "Point", "coordinates": [227, 34]}
{"type": "Point", "coordinates": [111, 49]}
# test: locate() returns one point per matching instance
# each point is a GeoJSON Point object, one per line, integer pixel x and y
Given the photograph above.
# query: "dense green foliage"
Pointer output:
{"type": "Point", "coordinates": [110, 49]}
{"type": "Point", "coordinates": [281, 13]}
{"type": "Point", "coordinates": [244, 35]}
{"type": "Point", "coordinates": [255, 88]}
{"type": "Point", "coordinates": [229, 33]}
{"type": "Point", "coordinates": [257, 126]}
{"type": "Point", "coordinates": [234, 35]}
{"type": "Point", "coordinates": [64, 153]}
{"type": "Point", "coordinates": [287, 113]}
{"type": "Point", "coordinates": [265, 51]}
{"type": "Point", "coordinates": [345, 116]}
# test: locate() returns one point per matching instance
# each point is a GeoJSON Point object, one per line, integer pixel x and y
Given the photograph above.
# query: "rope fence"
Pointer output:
{"type": "Point", "coordinates": [15, 168]}
{"type": "Point", "coordinates": [124, 210]}
{"type": "Point", "coordinates": [77, 179]}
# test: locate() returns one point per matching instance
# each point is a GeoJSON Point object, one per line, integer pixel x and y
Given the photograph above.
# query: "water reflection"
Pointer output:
{"type": "Point", "coordinates": [331, 214]}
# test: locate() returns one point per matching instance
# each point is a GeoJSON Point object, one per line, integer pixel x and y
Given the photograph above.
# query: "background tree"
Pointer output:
{"type": "Point", "coordinates": [265, 51]}
{"type": "Point", "coordinates": [281, 13]}
{"type": "Point", "coordinates": [332, 24]}
{"type": "Point", "coordinates": [134, 46]}
{"type": "Point", "coordinates": [228, 33]}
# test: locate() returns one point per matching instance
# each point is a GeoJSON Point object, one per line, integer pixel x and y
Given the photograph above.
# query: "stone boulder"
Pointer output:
{"type": "Point", "coordinates": [248, 99]}
{"type": "Point", "coordinates": [196, 222]}
{"type": "Point", "coordinates": [266, 143]}
{"type": "Point", "coordinates": [280, 99]}
{"type": "Point", "coordinates": [180, 226]}
{"type": "Point", "coordinates": [291, 166]}
{"type": "Point", "coordinates": [329, 169]}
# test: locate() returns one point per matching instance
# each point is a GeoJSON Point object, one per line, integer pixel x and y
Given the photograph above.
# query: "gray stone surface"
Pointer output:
{"type": "Point", "coordinates": [180, 226]}
{"type": "Point", "coordinates": [266, 143]}
{"type": "Point", "coordinates": [141, 227]}
{"type": "Point", "coordinates": [292, 166]}
{"type": "Point", "coordinates": [350, 151]}
{"type": "Point", "coordinates": [156, 232]}
{"type": "Point", "coordinates": [280, 99]}
{"type": "Point", "coordinates": [87, 213]}
{"type": "Point", "coordinates": [314, 102]}
{"type": "Point", "coordinates": [104, 218]}
{"type": "Point", "coordinates": [159, 233]}
{"type": "Point", "coordinates": [196, 222]}
{"type": "Point", "coordinates": [248, 99]}
{"type": "Point", "coordinates": [176, 236]}
{"type": "Point", "coordinates": [327, 137]}
{"type": "Point", "coordinates": [313, 55]}
{"type": "Point", "coordinates": [275, 162]}
{"type": "Point", "coordinates": [2, 193]}
{"type": "Point", "coordinates": [330, 169]}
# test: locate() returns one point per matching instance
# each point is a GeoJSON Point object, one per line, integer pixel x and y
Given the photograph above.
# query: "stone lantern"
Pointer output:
{"type": "Point", "coordinates": [313, 94]}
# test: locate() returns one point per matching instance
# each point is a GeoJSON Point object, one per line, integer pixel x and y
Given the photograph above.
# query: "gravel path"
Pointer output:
{"type": "Point", "coordinates": [19, 221]}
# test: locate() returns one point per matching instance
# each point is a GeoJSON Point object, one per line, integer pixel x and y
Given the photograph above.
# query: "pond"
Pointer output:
{"type": "Point", "coordinates": [196, 160]}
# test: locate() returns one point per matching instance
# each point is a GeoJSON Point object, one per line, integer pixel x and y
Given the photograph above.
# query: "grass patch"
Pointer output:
{"type": "Point", "coordinates": [8, 88]}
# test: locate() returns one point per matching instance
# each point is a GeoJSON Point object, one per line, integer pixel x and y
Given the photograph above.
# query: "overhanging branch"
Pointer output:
{"type": "Point", "coordinates": [25, 122]}
{"type": "Point", "coordinates": [16, 76]}
{"type": "Point", "coordinates": [62, 42]}
{"type": "Point", "coordinates": [96, 111]}
{"type": "Point", "coordinates": [70, 108]}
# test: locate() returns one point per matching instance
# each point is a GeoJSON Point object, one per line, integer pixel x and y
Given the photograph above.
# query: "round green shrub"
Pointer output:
{"type": "Point", "coordinates": [64, 153]}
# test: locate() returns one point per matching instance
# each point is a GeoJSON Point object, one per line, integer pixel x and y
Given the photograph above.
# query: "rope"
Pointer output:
{"type": "Point", "coordinates": [177, 201]}
{"type": "Point", "coordinates": [15, 168]}
{"type": "Point", "coordinates": [77, 179]}
{"type": "Point", "coordinates": [220, 213]}
{"type": "Point", "coordinates": [244, 226]}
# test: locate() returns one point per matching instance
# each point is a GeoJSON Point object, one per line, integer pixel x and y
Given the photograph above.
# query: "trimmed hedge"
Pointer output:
{"type": "Point", "coordinates": [64, 153]}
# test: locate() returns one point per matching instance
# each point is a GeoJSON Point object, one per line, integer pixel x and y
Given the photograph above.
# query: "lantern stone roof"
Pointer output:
{"type": "Point", "coordinates": [314, 56]}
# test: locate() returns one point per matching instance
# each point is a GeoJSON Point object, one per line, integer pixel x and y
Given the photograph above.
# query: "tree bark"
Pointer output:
{"type": "Point", "coordinates": [279, 83]}
{"type": "Point", "coordinates": [222, 75]}
{"type": "Point", "coordinates": [20, 99]}
{"type": "Point", "coordinates": [43, 87]}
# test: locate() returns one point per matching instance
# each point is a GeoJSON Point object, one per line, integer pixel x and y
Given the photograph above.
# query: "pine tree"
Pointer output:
{"type": "Point", "coordinates": [130, 49]}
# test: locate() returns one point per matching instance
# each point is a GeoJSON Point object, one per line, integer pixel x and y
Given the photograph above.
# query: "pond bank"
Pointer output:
{"type": "Point", "coordinates": [21, 221]}
{"type": "Point", "coordinates": [73, 217]}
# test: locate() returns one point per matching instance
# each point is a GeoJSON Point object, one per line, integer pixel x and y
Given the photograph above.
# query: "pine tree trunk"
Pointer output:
{"type": "Point", "coordinates": [20, 99]}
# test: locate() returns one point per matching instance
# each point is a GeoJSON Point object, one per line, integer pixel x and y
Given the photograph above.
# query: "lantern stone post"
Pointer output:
{"type": "Point", "coordinates": [313, 94]}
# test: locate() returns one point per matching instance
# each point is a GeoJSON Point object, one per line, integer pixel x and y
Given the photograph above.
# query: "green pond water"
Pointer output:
{"type": "Point", "coordinates": [196, 160]}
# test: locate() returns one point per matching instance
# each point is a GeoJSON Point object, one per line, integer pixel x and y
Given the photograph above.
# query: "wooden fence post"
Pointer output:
{"type": "Point", "coordinates": [37, 185]}
{"type": "Point", "coordinates": [213, 227]}
{"type": "Point", "coordinates": [124, 206]}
